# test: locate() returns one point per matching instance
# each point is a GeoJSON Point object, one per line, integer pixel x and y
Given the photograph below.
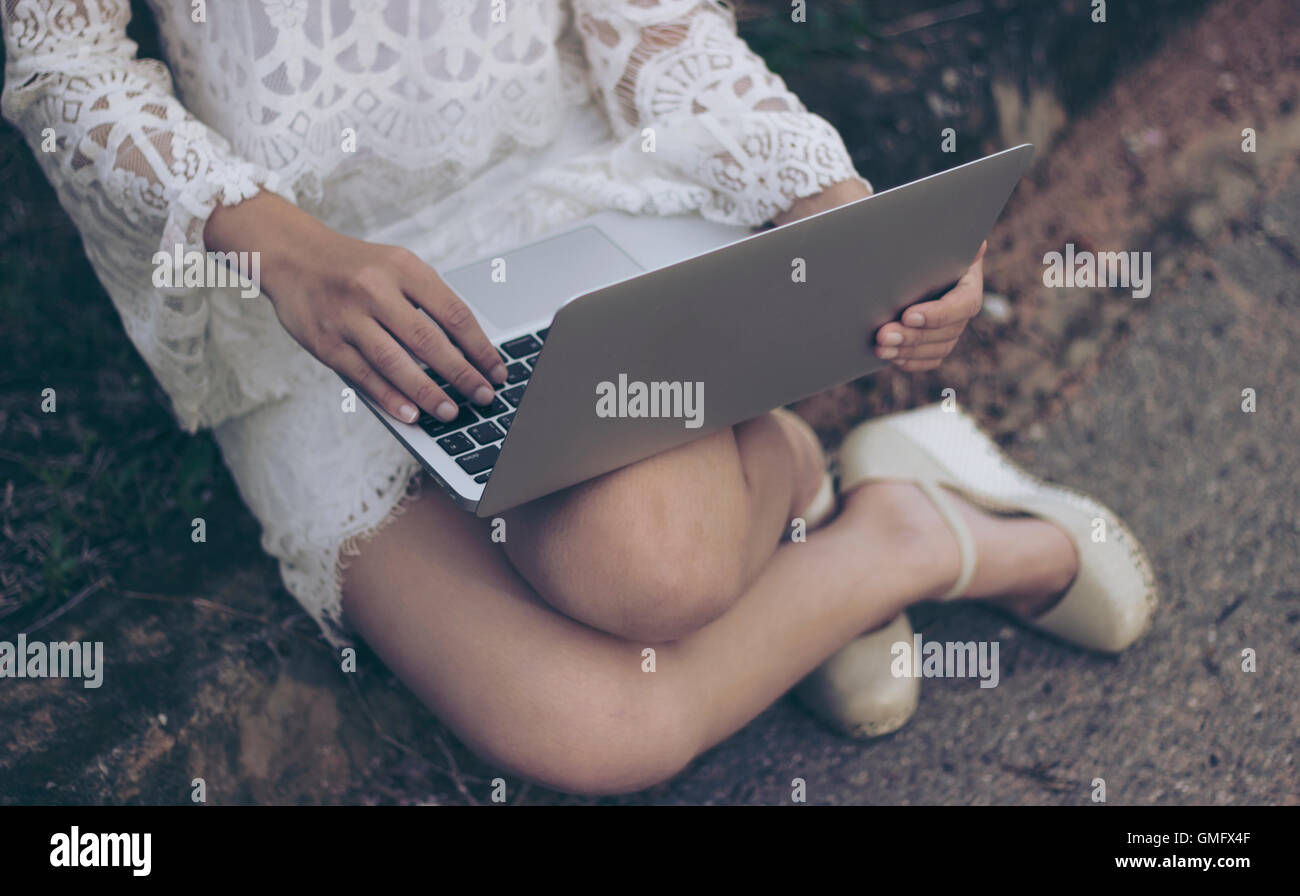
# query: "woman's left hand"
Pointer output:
{"type": "Point", "coordinates": [926, 332]}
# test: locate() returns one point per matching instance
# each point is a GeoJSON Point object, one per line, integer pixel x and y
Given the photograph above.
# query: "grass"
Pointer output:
{"type": "Point", "coordinates": [106, 479]}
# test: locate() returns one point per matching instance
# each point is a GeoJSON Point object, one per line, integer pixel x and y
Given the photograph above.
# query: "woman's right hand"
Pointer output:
{"type": "Point", "coordinates": [356, 306]}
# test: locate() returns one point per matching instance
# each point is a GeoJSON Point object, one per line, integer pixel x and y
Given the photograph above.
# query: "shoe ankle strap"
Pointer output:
{"type": "Point", "coordinates": [947, 508]}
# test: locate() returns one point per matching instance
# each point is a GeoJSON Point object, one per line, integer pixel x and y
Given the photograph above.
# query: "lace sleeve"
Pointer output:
{"type": "Point", "coordinates": [719, 116]}
{"type": "Point", "coordinates": [138, 175]}
{"type": "Point", "coordinates": [107, 127]}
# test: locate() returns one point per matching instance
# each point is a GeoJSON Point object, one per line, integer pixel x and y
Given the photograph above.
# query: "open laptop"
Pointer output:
{"type": "Point", "coordinates": [627, 335]}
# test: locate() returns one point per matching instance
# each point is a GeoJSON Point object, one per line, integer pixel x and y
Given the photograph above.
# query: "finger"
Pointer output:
{"type": "Point", "coordinates": [395, 365]}
{"type": "Point", "coordinates": [416, 331]}
{"type": "Point", "coordinates": [966, 297]}
{"type": "Point", "coordinates": [938, 350]}
{"type": "Point", "coordinates": [899, 336]}
{"type": "Point", "coordinates": [428, 291]}
{"type": "Point", "coordinates": [958, 305]}
{"type": "Point", "coordinates": [357, 370]}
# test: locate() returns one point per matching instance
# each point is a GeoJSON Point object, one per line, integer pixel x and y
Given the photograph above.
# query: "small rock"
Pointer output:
{"type": "Point", "coordinates": [996, 307]}
{"type": "Point", "coordinates": [1205, 219]}
{"type": "Point", "coordinates": [1138, 143]}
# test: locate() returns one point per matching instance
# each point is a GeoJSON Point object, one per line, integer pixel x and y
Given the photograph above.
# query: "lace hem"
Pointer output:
{"type": "Point", "coordinates": [325, 604]}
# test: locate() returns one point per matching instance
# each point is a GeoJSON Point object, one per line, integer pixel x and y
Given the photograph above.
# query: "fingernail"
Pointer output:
{"type": "Point", "coordinates": [408, 413]}
{"type": "Point", "coordinates": [914, 319]}
{"type": "Point", "coordinates": [888, 353]}
{"type": "Point", "coordinates": [483, 395]}
{"type": "Point", "coordinates": [498, 374]}
{"type": "Point", "coordinates": [892, 338]}
{"type": "Point", "coordinates": [446, 411]}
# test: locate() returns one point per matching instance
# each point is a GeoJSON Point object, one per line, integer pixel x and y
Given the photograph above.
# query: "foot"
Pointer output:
{"type": "Point", "coordinates": [1023, 564]}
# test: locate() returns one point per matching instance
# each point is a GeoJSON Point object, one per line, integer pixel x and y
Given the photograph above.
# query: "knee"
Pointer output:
{"type": "Point", "coordinates": [642, 565]}
{"type": "Point", "coordinates": [673, 592]}
{"type": "Point", "coordinates": [655, 584]}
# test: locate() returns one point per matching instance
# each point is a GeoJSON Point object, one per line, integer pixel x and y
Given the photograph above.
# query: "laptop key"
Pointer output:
{"type": "Point", "coordinates": [524, 345]}
{"type": "Point", "coordinates": [482, 477]}
{"type": "Point", "coordinates": [517, 372]}
{"type": "Point", "coordinates": [485, 433]}
{"type": "Point", "coordinates": [496, 407]}
{"type": "Point", "coordinates": [435, 427]}
{"type": "Point", "coordinates": [478, 461]}
{"type": "Point", "coordinates": [542, 334]}
{"type": "Point", "coordinates": [504, 422]}
{"type": "Point", "coordinates": [531, 362]}
{"type": "Point", "coordinates": [513, 395]}
{"type": "Point", "coordinates": [456, 443]}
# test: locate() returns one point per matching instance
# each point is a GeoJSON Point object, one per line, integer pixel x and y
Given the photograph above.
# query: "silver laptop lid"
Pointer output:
{"type": "Point", "coordinates": [740, 327]}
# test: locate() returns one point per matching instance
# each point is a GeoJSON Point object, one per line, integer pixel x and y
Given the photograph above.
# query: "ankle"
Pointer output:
{"type": "Point", "coordinates": [917, 538]}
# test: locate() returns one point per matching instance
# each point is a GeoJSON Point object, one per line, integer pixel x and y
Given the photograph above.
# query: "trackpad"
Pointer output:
{"type": "Point", "coordinates": [532, 282]}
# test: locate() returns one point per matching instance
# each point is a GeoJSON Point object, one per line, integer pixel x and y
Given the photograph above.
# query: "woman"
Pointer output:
{"type": "Point", "coordinates": [297, 129]}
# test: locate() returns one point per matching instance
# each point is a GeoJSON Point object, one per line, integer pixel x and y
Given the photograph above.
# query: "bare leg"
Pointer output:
{"type": "Point", "coordinates": [658, 549]}
{"type": "Point", "coordinates": [558, 702]}
{"type": "Point", "coordinates": [563, 703]}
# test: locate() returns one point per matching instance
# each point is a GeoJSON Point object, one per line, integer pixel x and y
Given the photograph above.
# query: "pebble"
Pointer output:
{"type": "Point", "coordinates": [996, 307]}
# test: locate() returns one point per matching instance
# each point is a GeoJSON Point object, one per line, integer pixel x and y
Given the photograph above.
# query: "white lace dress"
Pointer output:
{"type": "Point", "coordinates": [484, 122]}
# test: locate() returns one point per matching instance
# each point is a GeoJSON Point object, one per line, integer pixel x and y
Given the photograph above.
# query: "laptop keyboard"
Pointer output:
{"type": "Point", "coordinates": [474, 437]}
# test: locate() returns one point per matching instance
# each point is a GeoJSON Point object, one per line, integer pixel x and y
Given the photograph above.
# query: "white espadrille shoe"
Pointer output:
{"type": "Point", "coordinates": [1113, 597]}
{"type": "Point", "coordinates": [855, 692]}
{"type": "Point", "coordinates": [823, 505]}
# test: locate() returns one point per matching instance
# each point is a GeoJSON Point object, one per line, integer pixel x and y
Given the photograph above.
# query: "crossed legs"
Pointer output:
{"type": "Point", "coordinates": [532, 651]}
